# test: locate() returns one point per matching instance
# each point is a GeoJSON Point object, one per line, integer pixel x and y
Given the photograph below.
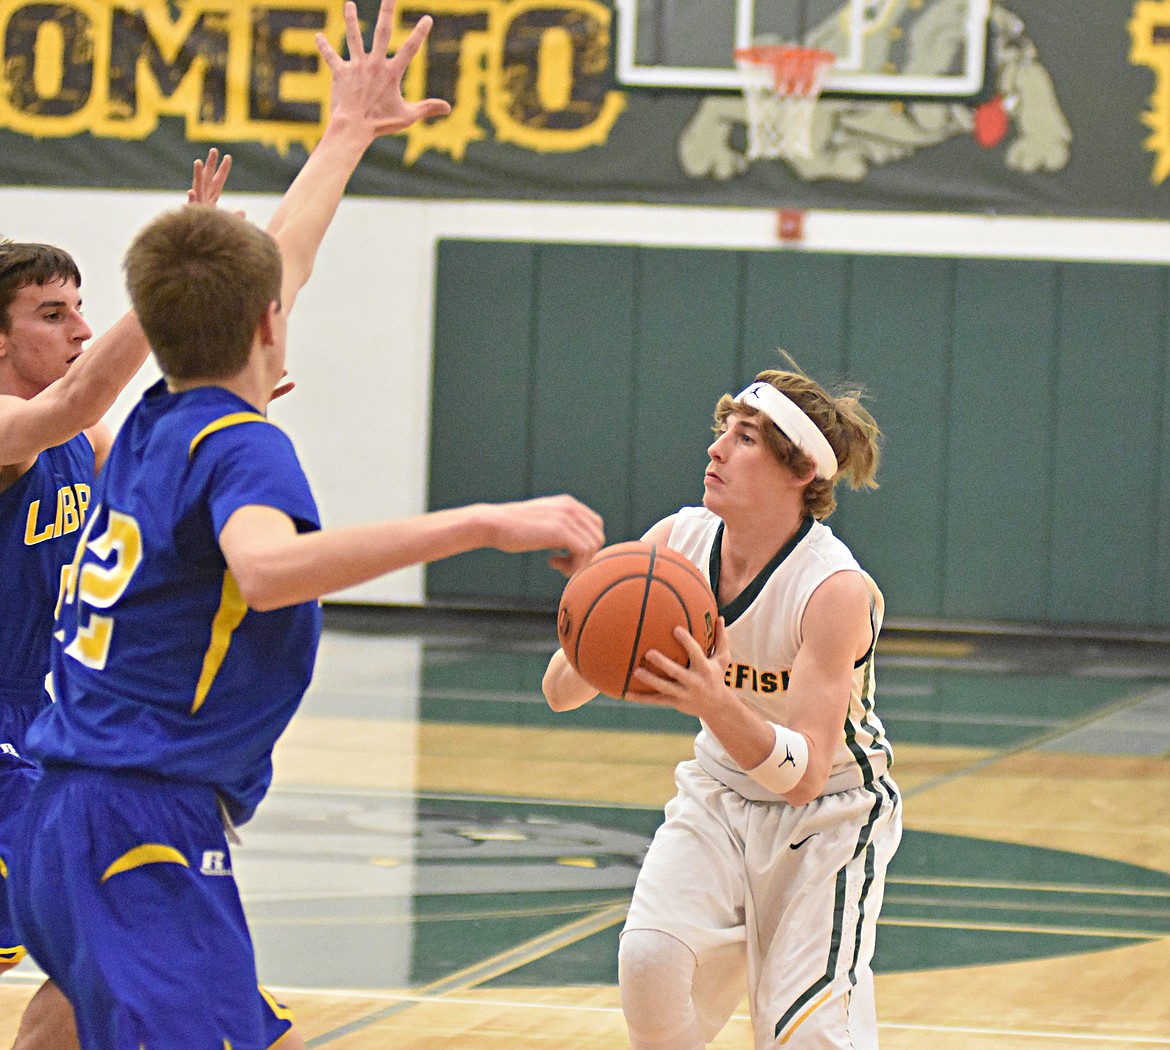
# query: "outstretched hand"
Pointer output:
{"type": "Point", "coordinates": [209, 177]}
{"type": "Point", "coordinates": [557, 523]}
{"type": "Point", "coordinates": [367, 86]}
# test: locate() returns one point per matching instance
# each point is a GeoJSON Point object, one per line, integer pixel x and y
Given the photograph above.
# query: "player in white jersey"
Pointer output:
{"type": "Point", "coordinates": [768, 873]}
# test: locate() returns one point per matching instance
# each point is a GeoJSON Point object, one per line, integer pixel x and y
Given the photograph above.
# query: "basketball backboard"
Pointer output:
{"type": "Point", "coordinates": [883, 47]}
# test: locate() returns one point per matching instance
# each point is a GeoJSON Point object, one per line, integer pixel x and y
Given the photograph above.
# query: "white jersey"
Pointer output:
{"type": "Point", "coordinates": [764, 631]}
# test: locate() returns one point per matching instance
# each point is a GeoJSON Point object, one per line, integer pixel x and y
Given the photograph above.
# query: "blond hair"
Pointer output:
{"type": "Point", "coordinates": [846, 423]}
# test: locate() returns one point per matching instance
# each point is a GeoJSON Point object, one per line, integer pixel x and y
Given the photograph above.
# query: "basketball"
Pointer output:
{"type": "Point", "coordinates": [627, 601]}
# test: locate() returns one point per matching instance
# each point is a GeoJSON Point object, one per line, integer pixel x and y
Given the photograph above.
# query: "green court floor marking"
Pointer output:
{"type": "Point", "coordinates": [470, 977]}
{"type": "Point", "coordinates": [1032, 743]}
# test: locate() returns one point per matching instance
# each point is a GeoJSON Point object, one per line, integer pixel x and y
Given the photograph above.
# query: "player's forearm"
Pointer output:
{"type": "Point", "coordinates": [749, 739]}
{"type": "Point", "coordinates": [564, 688]}
{"type": "Point", "coordinates": [310, 565]}
{"type": "Point", "coordinates": [101, 373]}
{"type": "Point", "coordinates": [308, 207]}
{"type": "Point", "coordinates": [80, 398]}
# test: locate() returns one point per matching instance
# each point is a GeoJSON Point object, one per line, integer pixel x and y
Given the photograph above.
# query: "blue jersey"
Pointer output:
{"type": "Point", "coordinates": [159, 667]}
{"type": "Point", "coordinates": [40, 518]}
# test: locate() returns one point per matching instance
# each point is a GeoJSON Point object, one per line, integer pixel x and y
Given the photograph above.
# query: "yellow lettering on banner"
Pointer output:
{"type": "Point", "coordinates": [1149, 31]}
{"type": "Point", "coordinates": [234, 71]}
{"type": "Point", "coordinates": [49, 60]}
{"type": "Point", "coordinates": [249, 71]}
{"type": "Point", "coordinates": [452, 65]}
{"type": "Point", "coordinates": [552, 72]}
{"type": "Point", "coordinates": [541, 69]}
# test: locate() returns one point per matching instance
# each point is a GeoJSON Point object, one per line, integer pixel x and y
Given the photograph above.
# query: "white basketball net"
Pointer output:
{"type": "Point", "coordinates": [781, 86]}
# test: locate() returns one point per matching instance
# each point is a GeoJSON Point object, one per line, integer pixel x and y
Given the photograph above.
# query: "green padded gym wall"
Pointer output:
{"type": "Point", "coordinates": [1026, 469]}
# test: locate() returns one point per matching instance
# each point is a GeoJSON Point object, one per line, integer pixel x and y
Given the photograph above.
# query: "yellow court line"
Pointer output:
{"type": "Point", "coordinates": [913, 647]}
{"type": "Point", "coordinates": [1037, 887]}
{"type": "Point", "coordinates": [995, 927]}
{"type": "Point", "coordinates": [1024, 1033]}
{"type": "Point", "coordinates": [530, 951]}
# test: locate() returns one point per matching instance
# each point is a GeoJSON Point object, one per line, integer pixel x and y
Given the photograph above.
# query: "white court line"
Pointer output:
{"type": "Point", "coordinates": [513, 1004]}
{"type": "Point", "coordinates": [326, 791]}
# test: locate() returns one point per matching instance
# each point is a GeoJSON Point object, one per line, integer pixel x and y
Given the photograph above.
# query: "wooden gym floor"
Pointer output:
{"type": "Point", "coordinates": [444, 862]}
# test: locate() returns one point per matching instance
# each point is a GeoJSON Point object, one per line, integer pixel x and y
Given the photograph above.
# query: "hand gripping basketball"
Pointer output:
{"type": "Point", "coordinates": [627, 601]}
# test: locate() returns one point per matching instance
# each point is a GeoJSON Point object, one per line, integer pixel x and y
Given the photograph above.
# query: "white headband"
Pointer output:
{"type": "Point", "coordinates": [793, 423]}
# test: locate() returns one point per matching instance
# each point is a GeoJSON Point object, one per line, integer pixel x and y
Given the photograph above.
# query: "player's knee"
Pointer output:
{"type": "Point", "coordinates": [291, 1040]}
{"type": "Point", "coordinates": [655, 974]}
{"type": "Point", "coordinates": [48, 1022]}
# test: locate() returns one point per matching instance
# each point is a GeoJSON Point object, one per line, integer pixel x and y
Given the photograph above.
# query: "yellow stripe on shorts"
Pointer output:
{"type": "Point", "coordinates": [282, 1013]}
{"type": "Point", "coordinates": [12, 955]}
{"type": "Point", "coordinates": [140, 856]}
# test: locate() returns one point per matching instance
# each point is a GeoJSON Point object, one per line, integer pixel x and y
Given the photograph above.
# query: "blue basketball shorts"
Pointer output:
{"type": "Point", "coordinates": [122, 888]}
{"type": "Point", "coordinates": [17, 776]}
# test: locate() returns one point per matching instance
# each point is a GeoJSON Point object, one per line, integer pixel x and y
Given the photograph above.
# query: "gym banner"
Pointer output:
{"type": "Point", "coordinates": [1020, 107]}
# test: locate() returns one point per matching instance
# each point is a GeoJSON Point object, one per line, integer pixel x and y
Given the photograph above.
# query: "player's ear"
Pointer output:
{"type": "Point", "coordinates": [807, 477]}
{"type": "Point", "coordinates": [266, 330]}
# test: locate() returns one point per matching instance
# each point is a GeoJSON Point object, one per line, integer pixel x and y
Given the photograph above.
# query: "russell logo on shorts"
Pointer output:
{"type": "Point", "coordinates": [214, 863]}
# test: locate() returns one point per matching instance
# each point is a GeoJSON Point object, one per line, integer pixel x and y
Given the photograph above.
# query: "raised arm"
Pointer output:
{"type": "Point", "coordinates": [366, 103]}
{"type": "Point", "coordinates": [78, 400]}
{"type": "Point", "coordinates": [208, 178]}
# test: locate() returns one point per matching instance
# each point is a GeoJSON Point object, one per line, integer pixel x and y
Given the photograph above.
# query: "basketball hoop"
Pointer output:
{"type": "Point", "coordinates": [781, 85]}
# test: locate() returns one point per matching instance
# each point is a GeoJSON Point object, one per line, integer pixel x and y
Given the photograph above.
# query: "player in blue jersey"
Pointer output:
{"type": "Point", "coordinates": [56, 391]}
{"type": "Point", "coordinates": [53, 394]}
{"type": "Point", "coordinates": [187, 631]}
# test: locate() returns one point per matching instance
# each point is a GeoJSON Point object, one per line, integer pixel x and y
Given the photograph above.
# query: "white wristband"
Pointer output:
{"type": "Point", "coordinates": [783, 769]}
